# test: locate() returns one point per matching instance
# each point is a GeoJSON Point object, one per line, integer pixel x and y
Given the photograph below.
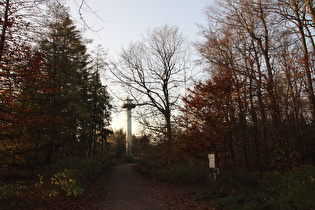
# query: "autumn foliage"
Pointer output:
{"type": "Point", "coordinates": [205, 116]}
{"type": "Point", "coordinates": [23, 117]}
{"type": "Point", "coordinates": [52, 102]}
{"type": "Point", "coordinates": [24, 82]}
{"type": "Point", "coordinates": [256, 109]}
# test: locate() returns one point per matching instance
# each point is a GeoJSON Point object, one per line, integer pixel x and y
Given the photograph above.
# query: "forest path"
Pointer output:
{"type": "Point", "coordinates": [125, 188]}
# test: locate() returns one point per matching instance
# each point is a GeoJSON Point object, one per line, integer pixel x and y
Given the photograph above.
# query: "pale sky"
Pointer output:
{"type": "Point", "coordinates": [120, 22]}
{"type": "Point", "coordinates": [123, 21]}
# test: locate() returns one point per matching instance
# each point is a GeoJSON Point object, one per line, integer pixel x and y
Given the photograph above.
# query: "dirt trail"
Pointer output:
{"type": "Point", "coordinates": [124, 188]}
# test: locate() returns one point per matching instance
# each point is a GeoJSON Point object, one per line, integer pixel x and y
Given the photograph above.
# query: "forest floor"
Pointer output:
{"type": "Point", "coordinates": [123, 187]}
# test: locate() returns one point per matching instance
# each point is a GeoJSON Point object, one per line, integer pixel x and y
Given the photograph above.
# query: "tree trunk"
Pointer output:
{"type": "Point", "coordinates": [5, 23]}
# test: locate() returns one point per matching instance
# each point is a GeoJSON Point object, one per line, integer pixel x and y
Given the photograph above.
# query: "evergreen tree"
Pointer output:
{"type": "Point", "coordinates": [74, 103]}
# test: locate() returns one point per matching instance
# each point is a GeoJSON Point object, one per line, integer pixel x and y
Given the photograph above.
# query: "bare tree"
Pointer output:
{"type": "Point", "coordinates": [300, 16]}
{"type": "Point", "coordinates": [151, 72]}
{"type": "Point", "coordinates": [268, 48]}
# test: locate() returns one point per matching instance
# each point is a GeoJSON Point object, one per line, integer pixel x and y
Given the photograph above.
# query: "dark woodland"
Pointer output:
{"type": "Point", "coordinates": [254, 110]}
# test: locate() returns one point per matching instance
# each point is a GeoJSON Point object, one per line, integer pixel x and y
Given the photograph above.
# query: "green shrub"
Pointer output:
{"type": "Point", "coordinates": [127, 159]}
{"type": "Point", "coordinates": [67, 177]}
{"type": "Point", "coordinates": [293, 190]}
{"type": "Point", "coordinates": [177, 173]}
{"type": "Point", "coordinates": [8, 190]}
{"type": "Point", "coordinates": [88, 169]}
{"type": "Point", "coordinates": [297, 188]}
{"type": "Point", "coordinates": [66, 181]}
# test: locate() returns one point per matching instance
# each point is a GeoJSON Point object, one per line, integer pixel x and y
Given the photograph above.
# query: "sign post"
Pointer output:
{"type": "Point", "coordinates": [211, 158]}
{"type": "Point", "coordinates": [213, 169]}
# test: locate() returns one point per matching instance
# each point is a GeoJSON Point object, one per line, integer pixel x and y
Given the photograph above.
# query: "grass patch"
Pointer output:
{"type": "Point", "coordinates": [293, 190]}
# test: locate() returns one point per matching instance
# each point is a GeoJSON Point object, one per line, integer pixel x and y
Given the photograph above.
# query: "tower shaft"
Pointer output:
{"type": "Point", "coordinates": [129, 133]}
{"type": "Point", "coordinates": [128, 105]}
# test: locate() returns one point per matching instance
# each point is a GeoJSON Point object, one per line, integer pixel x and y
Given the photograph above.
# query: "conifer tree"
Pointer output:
{"type": "Point", "coordinates": [64, 49]}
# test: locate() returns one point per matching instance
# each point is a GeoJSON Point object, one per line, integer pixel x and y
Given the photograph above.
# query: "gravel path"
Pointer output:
{"type": "Point", "coordinates": [124, 188]}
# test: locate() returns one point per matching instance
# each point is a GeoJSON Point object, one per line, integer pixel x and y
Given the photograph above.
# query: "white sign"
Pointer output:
{"type": "Point", "coordinates": [211, 160]}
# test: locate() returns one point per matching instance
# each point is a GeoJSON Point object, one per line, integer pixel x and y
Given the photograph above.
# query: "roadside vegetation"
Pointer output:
{"type": "Point", "coordinates": [63, 179]}
{"type": "Point", "coordinates": [274, 190]}
{"type": "Point", "coordinates": [240, 189]}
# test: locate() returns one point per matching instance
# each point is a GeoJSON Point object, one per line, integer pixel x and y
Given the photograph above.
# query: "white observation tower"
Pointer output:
{"type": "Point", "coordinates": [128, 105]}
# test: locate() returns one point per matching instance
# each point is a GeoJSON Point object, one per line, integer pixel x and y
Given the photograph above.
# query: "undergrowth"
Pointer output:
{"type": "Point", "coordinates": [177, 173]}
{"type": "Point", "coordinates": [64, 178]}
{"type": "Point", "coordinates": [242, 190]}
{"type": "Point", "coordinates": [282, 191]}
